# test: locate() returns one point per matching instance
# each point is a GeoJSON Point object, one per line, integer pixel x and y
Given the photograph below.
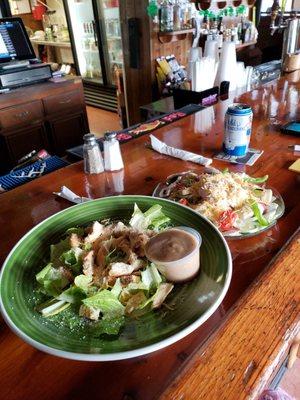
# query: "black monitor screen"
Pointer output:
{"type": "Point", "coordinates": [14, 41]}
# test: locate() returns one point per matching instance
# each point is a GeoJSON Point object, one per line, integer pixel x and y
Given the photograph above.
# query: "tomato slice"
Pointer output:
{"type": "Point", "coordinates": [226, 220]}
{"type": "Point", "coordinates": [184, 202]}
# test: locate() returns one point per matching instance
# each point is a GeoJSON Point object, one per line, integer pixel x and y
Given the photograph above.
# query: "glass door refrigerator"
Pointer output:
{"type": "Point", "coordinates": [97, 48]}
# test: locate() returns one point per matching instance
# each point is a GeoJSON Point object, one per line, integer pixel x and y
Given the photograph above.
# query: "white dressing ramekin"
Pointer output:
{"type": "Point", "coordinates": [185, 268]}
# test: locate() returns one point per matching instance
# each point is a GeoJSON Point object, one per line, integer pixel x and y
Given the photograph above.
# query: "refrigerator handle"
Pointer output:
{"type": "Point", "coordinates": [134, 43]}
{"type": "Point", "coordinates": [94, 32]}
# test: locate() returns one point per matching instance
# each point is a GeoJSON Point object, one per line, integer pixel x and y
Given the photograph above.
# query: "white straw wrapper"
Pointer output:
{"type": "Point", "coordinates": [162, 148]}
{"type": "Point", "coordinates": [67, 194]}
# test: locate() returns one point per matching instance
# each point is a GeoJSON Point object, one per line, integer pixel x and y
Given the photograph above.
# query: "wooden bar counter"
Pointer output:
{"type": "Point", "coordinates": [236, 353]}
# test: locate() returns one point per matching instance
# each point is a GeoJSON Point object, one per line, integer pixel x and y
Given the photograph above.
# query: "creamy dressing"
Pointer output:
{"type": "Point", "coordinates": [171, 245]}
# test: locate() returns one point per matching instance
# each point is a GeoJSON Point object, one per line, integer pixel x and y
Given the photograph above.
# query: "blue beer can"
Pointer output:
{"type": "Point", "coordinates": [238, 125]}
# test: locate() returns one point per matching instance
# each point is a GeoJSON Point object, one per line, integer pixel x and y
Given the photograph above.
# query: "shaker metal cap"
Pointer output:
{"type": "Point", "coordinates": [110, 135]}
{"type": "Point", "coordinates": [89, 137]}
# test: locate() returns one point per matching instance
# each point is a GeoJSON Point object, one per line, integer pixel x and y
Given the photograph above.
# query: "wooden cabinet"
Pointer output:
{"type": "Point", "coordinates": [14, 146]}
{"type": "Point", "coordinates": [66, 132]}
{"type": "Point", "coordinates": [48, 115]}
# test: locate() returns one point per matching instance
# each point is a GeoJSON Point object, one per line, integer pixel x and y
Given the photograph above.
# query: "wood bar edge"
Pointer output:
{"type": "Point", "coordinates": [242, 357]}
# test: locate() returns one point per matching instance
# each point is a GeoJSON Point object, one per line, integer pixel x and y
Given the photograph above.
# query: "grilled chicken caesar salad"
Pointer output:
{"type": "Point", "coordinates": [235, 202]}
{"type": "Point", "coordinates": [102, 274]}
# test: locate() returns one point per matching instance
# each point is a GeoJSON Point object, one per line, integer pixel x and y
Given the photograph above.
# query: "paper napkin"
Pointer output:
{"type": "Point", "coordinates": [67, 194]}
{"type": "Point", "coordinates": [162, 148]}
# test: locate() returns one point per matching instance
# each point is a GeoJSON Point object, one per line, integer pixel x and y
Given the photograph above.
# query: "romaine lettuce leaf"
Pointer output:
{"type": "Point", "coordinates": [83, 281]}
{"type": "Point", "coordinates": [68, 257]}
{"type": "Point", "coordinates": [108, 326]}
{"type": "Point", "coordinates": [151, 277]}
{"type": "Point", "coordinates": [158, 222]}
{"type": "Point", "coordinates": [153, 212]}
{"type": "Point", "coordinates": [117, 288]}
{"type": "Point", "coordinates": [87, 246]}
{"type": "Point", "coordinates": [134, 286]}
{"type": "Point", "coordinates": [107, 303]}
{"type": "Point", "coordinates": [154, 216]}
{"type": "Point", "coordinates": [138, 220]}
{"type": "Point", "coordinates": [72, 260]}
{"type": "Point", "coordinates": [56, 250]}
{"type": "Point", "coordinates": [73, 294]}
{"type": "Point", "coordinates": [79, 231]}
{"type": "Point", "coordinates": [159, 296]}
{"type": "Point", "coordinates": [52, 307]}
{"type": "Point", "coordinates": [51, 280]}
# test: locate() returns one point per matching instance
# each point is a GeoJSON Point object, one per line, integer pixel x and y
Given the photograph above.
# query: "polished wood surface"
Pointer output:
{"type": "Point", "coordinates": [253, 361]}
{"type": "Point", "coordinates": [28, 373]}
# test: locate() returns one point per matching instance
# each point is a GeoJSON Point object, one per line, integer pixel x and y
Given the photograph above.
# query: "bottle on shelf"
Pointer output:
{"type": "Point", "coordinates": [220, 25]}
{"type": "Point", "coordinates": [205, 25]}
{"type": "Point", "coordinates": [184, 12]}
{"type": "Point", "coordinates": [239, 32]}
{"type": "Point", "coordinates": [189, 16]}
{"type": "Point", "coordinates": [220, 32]}
{"type": "Point", "coordinates": [166, 17]}
{"type": "Point", "coordinates": [234, 34]}
{"type": "Point", "coordinates": [177, 16]}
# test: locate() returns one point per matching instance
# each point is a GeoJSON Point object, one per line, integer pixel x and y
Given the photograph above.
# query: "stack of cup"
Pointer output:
{"type": "Point", "coordinates": [203, 74]}
{"type": "Point", "coordinates": [195, 55]}
{"type": "Point", "coordinates": [227, 66]}
{"type": "Point", "coordinates": [211, 49]}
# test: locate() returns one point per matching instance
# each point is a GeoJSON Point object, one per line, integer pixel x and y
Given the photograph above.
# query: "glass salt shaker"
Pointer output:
{"type": "Point", "coordinates": [112, 153]}
{"type": "Point", "coordinates": [93, 161]}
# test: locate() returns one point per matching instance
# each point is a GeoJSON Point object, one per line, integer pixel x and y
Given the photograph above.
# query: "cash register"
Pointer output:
{"type": "Point", "coordinates": [18, 63]}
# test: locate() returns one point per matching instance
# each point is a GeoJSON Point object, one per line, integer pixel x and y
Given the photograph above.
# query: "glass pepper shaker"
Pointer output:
{"type": "Point", "coordinates": [112, 153]}
{"type": "Point", "coordinates": [93, 161]}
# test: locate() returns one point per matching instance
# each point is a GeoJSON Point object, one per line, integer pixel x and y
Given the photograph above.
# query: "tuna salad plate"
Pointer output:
{"type": "Point", "coordinates": [238, 204]}
{"type": "Point", "coordinates": [114, 278]}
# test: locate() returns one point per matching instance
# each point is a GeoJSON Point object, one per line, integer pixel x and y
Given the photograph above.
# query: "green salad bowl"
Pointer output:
{"type": "Point", "coordinates": [190, 304]}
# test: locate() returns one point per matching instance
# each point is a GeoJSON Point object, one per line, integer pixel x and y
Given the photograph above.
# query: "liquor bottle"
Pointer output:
{"type": "Point", "coordinates": [205, 25]}
{"type": "Point", "coordinates": [220, 26]}
{"type": "Point", "coordinates": [239, 31]}
{"type": "Point", "coordinates": [220, 32]}
{"type": "Point", "coordinates": [234, 34]}
{"type": "Point", "coordinates": [184, 11]}
{"type": "Point", "coordinates": [153, 12]}
{"type": "Point", "coordinates": [166, 17]}
{"type": "Point", "coordinates": [177, 16]}
{"type": "Point", "coordinates": [204, 31]}
{"type": "Point", "coordinates": [244, 28]}
{"type": "Point", "coordinates": [189, 16]}
{"type": "Point", "coordinates": [214, 27]}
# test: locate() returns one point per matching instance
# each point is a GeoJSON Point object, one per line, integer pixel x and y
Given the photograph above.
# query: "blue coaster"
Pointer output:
{"type": "Point", "coordinates": [248, 159]}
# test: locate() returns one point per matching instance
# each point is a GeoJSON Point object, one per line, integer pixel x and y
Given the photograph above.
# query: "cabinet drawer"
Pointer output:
{"type": "Point", "coordinates": [58, 103]}
{"type": "Point", "coordinates": [22, 114]}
